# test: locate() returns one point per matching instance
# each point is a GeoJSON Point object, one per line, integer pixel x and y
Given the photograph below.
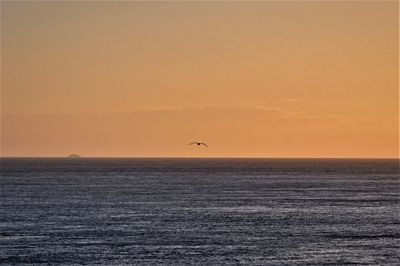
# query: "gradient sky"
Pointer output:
{"type": "Point", "coordinates": [268, 79]}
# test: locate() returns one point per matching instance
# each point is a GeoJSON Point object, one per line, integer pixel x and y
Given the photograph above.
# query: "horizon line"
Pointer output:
{"type": "Point", "coordinates": [194, 157]}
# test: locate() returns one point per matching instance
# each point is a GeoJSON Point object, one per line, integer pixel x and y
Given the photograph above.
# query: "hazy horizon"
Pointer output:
{"type": "Point", "coordinates": [192, 157]}
{"type": "Point", "coordinates": [251, 79]}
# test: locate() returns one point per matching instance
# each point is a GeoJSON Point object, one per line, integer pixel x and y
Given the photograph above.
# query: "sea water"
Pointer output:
{"type": "Point", "coordinates": [199, 211]}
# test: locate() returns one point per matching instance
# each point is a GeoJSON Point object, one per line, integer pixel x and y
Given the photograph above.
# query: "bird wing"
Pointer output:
{"type": "Point", "coordinates": [192, 143]}
{"type": "Point", "coordinates": [204, 144]}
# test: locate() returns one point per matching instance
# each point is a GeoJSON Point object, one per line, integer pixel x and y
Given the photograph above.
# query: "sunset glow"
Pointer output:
{"type": "Point", "coordinates": [251, 79]}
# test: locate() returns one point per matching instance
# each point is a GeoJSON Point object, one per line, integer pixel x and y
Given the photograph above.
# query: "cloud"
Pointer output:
{"type": "Point", "coordinates": [292, 100]}
{"type": "Point", "coordinates": [231, 130]}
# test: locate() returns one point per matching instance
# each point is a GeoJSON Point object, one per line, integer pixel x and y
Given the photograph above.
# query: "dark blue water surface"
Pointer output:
{"type": "Point", "coordinates": [199, 211]}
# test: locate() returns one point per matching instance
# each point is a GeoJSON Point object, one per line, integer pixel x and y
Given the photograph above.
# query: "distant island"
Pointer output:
{"type": "Point", "coordinates": [74, 156]}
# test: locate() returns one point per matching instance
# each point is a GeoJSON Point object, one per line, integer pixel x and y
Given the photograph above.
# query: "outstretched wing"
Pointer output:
{"type": "Point", "coordinates": [202, 143]}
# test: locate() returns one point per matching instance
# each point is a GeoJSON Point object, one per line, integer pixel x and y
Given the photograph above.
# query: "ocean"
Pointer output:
{"type": "Point", "coordinates": [199, 211]}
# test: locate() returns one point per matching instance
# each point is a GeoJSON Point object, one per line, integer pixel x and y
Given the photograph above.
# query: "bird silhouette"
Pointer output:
{"type": "Point", "coordinates": [198, 143]}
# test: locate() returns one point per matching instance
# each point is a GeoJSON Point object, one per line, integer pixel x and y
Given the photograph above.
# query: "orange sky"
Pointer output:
{"type": "Point", "coordinates": [268, 79]}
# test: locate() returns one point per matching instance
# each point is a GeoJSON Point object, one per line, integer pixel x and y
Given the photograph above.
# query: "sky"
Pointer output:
{"type": "Point", "coordinates": [251, 79]}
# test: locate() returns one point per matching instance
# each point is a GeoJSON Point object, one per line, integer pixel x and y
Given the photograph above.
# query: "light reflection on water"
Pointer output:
{"type": "Point", "coordinates": [199, 211]}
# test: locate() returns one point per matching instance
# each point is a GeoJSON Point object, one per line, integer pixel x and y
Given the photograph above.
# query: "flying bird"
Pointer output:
{"type": "Point", "coordinates": [198, 143]}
